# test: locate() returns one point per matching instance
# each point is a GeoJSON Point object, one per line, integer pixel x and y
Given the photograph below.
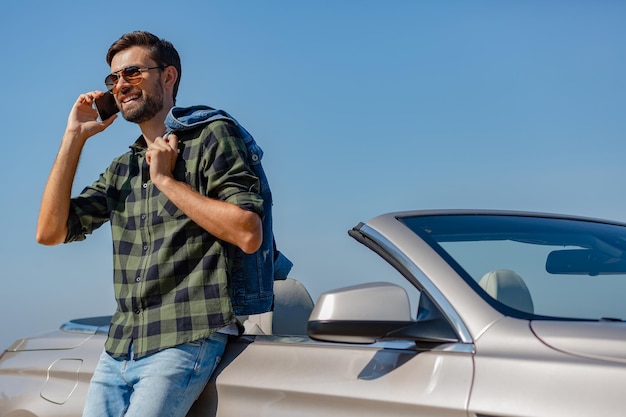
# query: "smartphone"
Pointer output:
{"type": "Point", "coordinates": [106, 106]}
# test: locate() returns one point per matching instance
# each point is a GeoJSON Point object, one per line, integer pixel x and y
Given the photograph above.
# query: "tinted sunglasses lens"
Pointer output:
{"type": "Point", "coordinates": [131, 74]}
{"type": "Point", "coordinates": [110, 81]}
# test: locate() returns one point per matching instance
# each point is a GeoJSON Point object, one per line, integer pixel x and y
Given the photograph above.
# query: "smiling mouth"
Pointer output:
{"type": "Point", "coordinates": [129, 97]}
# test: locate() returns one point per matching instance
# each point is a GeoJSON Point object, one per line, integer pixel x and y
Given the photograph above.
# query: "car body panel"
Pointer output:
{"type": "Point", "coordinates": [52, 381]}
{"type": "Point", "coordinates": [318, 378]}
{"type": "Point", "coordinates": [596, 340]}
{"type": "Point", "coordinates": [529, 378]}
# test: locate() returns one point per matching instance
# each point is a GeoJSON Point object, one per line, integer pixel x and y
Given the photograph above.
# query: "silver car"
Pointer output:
{"type": "Point", "coordinates": [482, 314]}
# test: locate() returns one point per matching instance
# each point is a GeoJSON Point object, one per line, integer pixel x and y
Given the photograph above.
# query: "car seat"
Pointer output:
{"type": "Point", "coordinates": [292, 307]}
{"type": "Point", "coordinates": [509, 288]}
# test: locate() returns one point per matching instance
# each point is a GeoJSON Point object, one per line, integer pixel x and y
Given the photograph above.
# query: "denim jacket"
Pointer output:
{"type": "Point", "coordinates": [252, 275]}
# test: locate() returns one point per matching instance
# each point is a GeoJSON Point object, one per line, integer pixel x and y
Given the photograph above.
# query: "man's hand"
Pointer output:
{"type": "Point", "coordinates": [161, 156]}
{"type": "Point", "coordinates": [83, 119]}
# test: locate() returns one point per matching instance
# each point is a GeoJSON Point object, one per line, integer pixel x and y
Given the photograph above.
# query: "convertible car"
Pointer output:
{"type": "Point", "coordinates": [480, 314]}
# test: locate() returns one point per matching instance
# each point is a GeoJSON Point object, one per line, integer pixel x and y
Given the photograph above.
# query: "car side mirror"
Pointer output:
{"type": "Point", "coordinates": [369, 313]}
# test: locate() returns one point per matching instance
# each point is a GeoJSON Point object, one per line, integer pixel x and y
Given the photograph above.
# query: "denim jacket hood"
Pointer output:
{"type": "Point", "coordinates": [252, 275]}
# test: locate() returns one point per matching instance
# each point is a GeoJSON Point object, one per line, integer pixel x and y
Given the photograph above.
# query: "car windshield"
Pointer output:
{"type": "Point", "coordinates": [535, 267]}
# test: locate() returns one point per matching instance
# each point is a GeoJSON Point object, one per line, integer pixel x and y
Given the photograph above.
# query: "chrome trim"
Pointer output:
{"type": "Point", "coordinates": [406, 345]}
{"type": "Point", "coordinates": [429, 287]}
{"type": "Point", "coordinates": [456, 348]}
{"type": "Point", "coordinates": [410, 345]}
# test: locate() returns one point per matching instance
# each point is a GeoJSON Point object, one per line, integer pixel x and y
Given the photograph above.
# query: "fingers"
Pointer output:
{"type": "Point", "coordinates": [83, 117]}
{"type": "Point", "coordinates": [167, 143]}
{"type": "Point", "coordinates": [89, 98]}
{"type": "Point", "coordinates": [84, 110]}
{"type": "Point", "coordinates": [167, 146]}
{"type": "Point", "coordinates": [172, 141]}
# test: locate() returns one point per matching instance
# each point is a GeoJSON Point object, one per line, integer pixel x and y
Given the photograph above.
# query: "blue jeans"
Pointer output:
{"type": "Point", "coordinates": [164, 384]}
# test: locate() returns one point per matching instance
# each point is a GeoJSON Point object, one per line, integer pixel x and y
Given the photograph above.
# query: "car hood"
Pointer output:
{"type": "Point", "coordinates": [51, 341]}
{"type": "Point", "coordinates": [597, 340]}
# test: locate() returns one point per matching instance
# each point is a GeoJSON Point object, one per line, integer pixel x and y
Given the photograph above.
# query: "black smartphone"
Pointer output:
{"type": "Point", "coordinates": [106, 106]}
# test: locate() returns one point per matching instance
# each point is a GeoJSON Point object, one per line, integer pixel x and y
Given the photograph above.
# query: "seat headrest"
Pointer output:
{"type": "Point", "coordinates": [509, 288]}
{"type": "Point", "coordinates": [292, 307]}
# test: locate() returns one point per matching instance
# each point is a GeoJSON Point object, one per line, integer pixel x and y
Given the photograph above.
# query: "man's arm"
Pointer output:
{"type": "Point", "coordinates": [55, 204]}
{"type": "Point", "coordinates": [222, 219]}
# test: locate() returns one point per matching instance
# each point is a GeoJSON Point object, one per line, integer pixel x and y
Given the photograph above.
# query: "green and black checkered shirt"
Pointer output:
{"type": "Point", "coordinates": [170, 275]}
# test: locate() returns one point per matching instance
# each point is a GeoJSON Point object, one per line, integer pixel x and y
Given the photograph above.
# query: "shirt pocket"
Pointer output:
{"type": "Point", "coordinates": [165, 208]}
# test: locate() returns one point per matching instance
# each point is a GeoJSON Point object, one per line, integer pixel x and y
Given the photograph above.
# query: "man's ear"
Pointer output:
{"type": "Point", "coordinates": [171, 75]}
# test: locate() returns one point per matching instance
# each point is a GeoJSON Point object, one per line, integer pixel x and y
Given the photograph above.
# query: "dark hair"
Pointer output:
{"type": "Point", "coordinates": [159, 50]}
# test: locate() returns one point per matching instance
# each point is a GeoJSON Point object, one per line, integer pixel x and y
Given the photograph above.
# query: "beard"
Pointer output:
{"type": "Point", "coordinates": [152, 105]}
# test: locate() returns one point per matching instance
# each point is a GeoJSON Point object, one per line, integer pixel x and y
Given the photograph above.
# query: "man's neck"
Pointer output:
{"type": "Point", "coordinates": [154, 127]}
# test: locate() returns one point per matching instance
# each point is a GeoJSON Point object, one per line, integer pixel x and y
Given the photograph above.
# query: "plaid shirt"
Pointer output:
{"type": "Point", "coordinates": [170, 275]}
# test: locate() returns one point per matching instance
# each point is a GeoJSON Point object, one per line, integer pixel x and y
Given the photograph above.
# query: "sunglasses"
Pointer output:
{"type": "Point", "coordinates": [132, 75]}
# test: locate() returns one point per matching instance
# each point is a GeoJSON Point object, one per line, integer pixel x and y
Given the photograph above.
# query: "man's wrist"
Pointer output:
{"type": "Point", "coordinates": [164, 182]}
{"type": "Point", "coordinates": [74, 137]}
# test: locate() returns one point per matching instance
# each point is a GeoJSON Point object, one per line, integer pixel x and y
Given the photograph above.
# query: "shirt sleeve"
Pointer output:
{"type": "Point", "coordinates": [230, 177]}
{"type": "Point", "coordinates": [88, 211]}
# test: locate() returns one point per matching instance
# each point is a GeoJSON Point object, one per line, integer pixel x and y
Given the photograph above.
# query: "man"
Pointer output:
{"type": "Point", "coordinates": [179, 205]}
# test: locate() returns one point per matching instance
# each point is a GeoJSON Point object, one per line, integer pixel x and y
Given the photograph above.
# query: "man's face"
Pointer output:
{"type": "Point", "coordinates": [141, 102]}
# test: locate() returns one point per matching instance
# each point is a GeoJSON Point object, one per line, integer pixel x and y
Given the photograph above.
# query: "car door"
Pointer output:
{"type": "Point", "coordinates": [277, 377]}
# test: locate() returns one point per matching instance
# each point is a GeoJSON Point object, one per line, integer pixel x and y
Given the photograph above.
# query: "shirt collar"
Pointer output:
{"type": "Point", "coordinates": [140, 145]}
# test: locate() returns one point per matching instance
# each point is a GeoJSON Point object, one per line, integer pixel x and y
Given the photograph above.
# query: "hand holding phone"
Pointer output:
{"type": "Point", "coordinates": [106, 106]}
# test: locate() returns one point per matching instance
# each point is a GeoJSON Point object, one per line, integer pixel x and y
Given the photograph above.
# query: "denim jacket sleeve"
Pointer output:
{"type": "Point", "coordinates": [252, 276]}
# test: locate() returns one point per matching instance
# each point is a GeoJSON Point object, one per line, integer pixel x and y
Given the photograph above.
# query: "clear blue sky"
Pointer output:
{"type": "Point", "coordinates": [362, 107]}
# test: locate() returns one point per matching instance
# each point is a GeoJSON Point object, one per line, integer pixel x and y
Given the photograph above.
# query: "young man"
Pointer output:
{"type": "Point", "coordinates": [179, 205]}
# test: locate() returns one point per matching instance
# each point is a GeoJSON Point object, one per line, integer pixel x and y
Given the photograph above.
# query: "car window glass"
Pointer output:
{"type": "Point", "coordinates": [558, 268]}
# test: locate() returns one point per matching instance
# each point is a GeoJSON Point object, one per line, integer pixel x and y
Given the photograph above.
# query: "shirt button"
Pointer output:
{"type": "Point", "coordinates": [145, 247]}
{"type": "Point", "coordinates": [137, 279]}
{"type": "Point", "coordinates": [137, 311]}
{"type": "Point", "coordinates": [255, 157]}
{"type": "Point", "coordinates": [143, 217]}
{"type": "Point", "coordinates": [145, 185]}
